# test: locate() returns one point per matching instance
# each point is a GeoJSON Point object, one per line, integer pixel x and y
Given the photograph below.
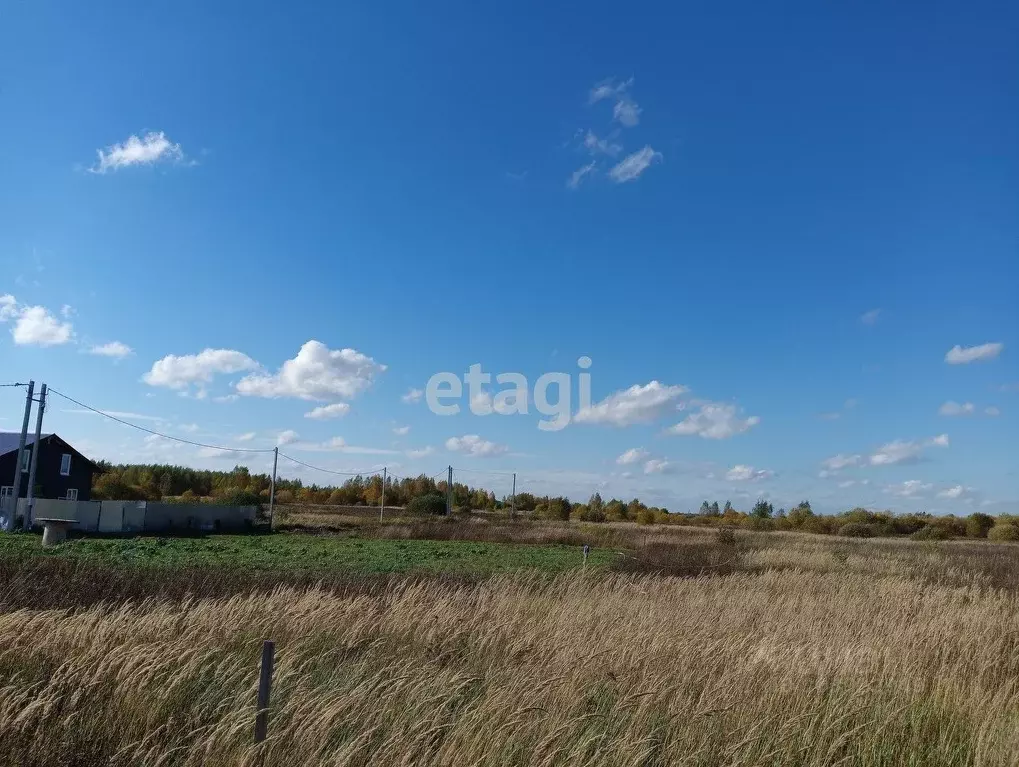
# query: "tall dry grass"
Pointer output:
{"type": "Point", "coordinates": [815, 657]}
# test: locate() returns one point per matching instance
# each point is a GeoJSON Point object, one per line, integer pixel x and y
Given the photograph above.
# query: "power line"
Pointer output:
{"type": "Point", "coordinates": [480, 471]}
{"type": "Point", "coordinates": [4, 386]}
{"type": "Point", "coordinates": [159, 433]}
{"type": "Point", "coordinates": [330, 471]}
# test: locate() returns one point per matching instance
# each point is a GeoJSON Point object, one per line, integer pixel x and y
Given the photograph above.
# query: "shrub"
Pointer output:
{"type": "Point", "coordinates": [726, 536]}
{"type": "Point", "coordinates": [932, 533]}
{"type": "Point", "coordinates": [239, 498]}
{"type": "Point", "coordinates": [856, 530]}
{"type": "Point", "coordinates": [1004, 532]}
{"type": "Point", "coordinates": [590, 514]}
{"type": "Point", "coordinates": [427, 504]}
{"type": "Point", "coordinates": [978, 525]}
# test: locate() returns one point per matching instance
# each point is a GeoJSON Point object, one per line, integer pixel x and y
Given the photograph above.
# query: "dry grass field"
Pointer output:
{"type": "Point", "coordinates": [778, 649]}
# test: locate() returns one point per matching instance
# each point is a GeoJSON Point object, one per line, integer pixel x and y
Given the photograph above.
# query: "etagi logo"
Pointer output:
{"type": "Point", "coordinates": [513, 400]}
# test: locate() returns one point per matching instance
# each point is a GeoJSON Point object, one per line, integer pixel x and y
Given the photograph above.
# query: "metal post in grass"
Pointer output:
{"type": "Point", "coordinates": [264, 687]}
{"type": "Point", "coordinates": [382, 506]}
{"type": "Point", "coordinates": [587, 550]}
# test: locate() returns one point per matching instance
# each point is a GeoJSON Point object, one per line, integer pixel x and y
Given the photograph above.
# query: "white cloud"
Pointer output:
{"type": "Point", "coordinates": [114, 349]}
{"type": "Point", "coordinates": [578, 175]}
{"type": "Point", "coordinates": [638, 404]}
{"type": "Point", "coordinates": [179, 372]}
{"type": "Point", "coordinates": [597, 146]}
{"type": "Point", "coordinates": [992, 411]}
{"type": "Point", "coordinates": [954, 408]}
{"type": "Point", "coordinates": [154, 147]}
{"type": "Point", "coordinates": [633, 455]}
{"type": "Point", "coordinates": [657, 466]}
{"type": "Point", "coordinates": [287, 437]}
{"type": "Point", "coordinates": [472, 444]}
{"type": "Point", "coordinates": [219, 452]}
{"type": "Point", "coordinates": [316, 373]}
{"type": "Point", "coordinates": [871, 317]}
{"type": "Point", "coordinates": [401, 431]}
{"type": "Point", "coordinates": [413, 396]}
{"type": "Point", "coordinates": [847, 483]}
{"type": "Point", "coordinates": [962, 355]}
{"type": "Point", "coordinates": [627, 112]}
{"type": "Point", "coordinates": [34, 325]}
{"type": "Point", "coordinates": [246, 437]}
{"type": "Point", "coordinates": [902, 451]}
{"type": "Point", "coordinates": [953, 492]}
{"type": "Point", "coordinates": [322, 412]}
{"type": "Point", "coordinates": [740, 473]}
{"type": "Point", "coordinates": [608, 89]}
{"type": "Point", "coordinates": [908, 489]}
{"type": "Point", "coordinates": [423, 452]}
{"type": "Point", "coordinates": [67, 311]}
{"type": "Point", "coordinates": [37, 327]}
{"type": "Point", "coordinates": [633, 165]}
{"type": "Point", "coordinates": [224, 398]}
{"type": "Point", "coordinates": [840, 461]}
{"type": "Point", "coordinates": [714, 420]}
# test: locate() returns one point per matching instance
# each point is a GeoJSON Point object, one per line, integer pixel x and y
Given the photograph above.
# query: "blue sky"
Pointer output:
{"type": "Point", "coordinates": [786, 220]}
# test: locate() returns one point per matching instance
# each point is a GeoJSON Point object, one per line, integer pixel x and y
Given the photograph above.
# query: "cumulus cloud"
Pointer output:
{"type": "Point", "coordinates": [114, 349]}
{"type": "Point", "coordinates": [322, 412]}
{"type": "Point", "coordinates": [953, 493]}
{"type": "Point", "coordinates": [152, 148]}
{"type": "Point", "coordinates": [246, 437]}
{"type": "Point", "coordinates": [638, 404]}
{"type": "Point", "coordinates": [287, 437]}
{"type": "Point", "coordinates": [413, 396]}
{"type": "Point", "coordinates": [904, 451]}
{"type": "Point", "coordinates": [423, 452]}
{"type": "Point", "coordinates": [179, 372]}
{"type": "Point", "coordinates": [472, 444]}
{"type": "Point", "coordinates": [741, 473]}
{"type": "Point", "coordinates": [316, 373]}
{"type": "Point", "coordinates": [34, 325]}
{"type": "Point", "coordinates": [963, 355]}
{"type": "Point", "coordinates": [954, 408]}
{"type": "Point", "coordinates": [633, 455]}
{"type": "Point", "coordinates": [714, 420]}
{"type": "Point", "coordinates": [992, 411]}
{"type": "Point", "coordinates": [401, 431]}
{"type": "Point", "coordinates": [631, 166]}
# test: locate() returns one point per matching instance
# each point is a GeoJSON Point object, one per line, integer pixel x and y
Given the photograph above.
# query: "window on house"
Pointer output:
{"type": "Point", "coordinates": [6, 491]}
{"type": "Point", "coordinates": [72, 494]}
{"type": "Point", "coordinates": [26, 459]}
{"type": "Point", "coordinates": [65, 464]}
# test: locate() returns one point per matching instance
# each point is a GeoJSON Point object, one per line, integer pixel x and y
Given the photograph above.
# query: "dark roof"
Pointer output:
{"type": "Point", "coordinates": [9, 440]}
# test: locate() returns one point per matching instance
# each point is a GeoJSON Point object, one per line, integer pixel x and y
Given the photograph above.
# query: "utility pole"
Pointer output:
{"type": "Point", "coordinates": [513, 498]}
{"type": "Point", "coordinates": [34, 460]}
{"type": "Point", "coordinates": [449, 493]}
{"type": "Point", "coordinates": [272, 484]}
{"type": "Point", "coordinates": [16, 490]}
{"type": "Point", "coordinates": [382, 508]}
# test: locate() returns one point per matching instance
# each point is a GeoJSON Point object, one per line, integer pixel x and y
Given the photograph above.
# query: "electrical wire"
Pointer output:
{"type": "Point", "coordinates": [481, 471]}
{"type": "Point", "coordinates": [159, 433]}
{"type": "Point", "coordinates": [4, 386]}
{"type": "Point", "coordinates": [330, 471]}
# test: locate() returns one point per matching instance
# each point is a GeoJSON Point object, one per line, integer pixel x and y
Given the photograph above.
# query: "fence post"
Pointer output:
{"type": "Point", "coordinates": [264, 687]}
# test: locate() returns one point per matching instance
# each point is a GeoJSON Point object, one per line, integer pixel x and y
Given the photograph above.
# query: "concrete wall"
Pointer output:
{"type": "Point", "coordinates": [142, 516]}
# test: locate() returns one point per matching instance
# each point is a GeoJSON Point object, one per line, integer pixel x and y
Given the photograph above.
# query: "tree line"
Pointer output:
{"type": "Point", "coordinates": [153, 482]}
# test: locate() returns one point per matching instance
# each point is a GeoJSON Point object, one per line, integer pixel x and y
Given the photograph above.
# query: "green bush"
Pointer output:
{"type": "Point", "coordinates": [932, 533]}
{"type": "Point", "coordinates": [1004, 532]}
{"type": "Point", "coordinates": [856, 530]}
{"type": "Point", "coordinates": [427, 504]}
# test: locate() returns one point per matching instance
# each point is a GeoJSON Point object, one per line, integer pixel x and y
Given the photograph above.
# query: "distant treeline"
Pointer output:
{"type": "Point", "coordinates": [239, 486]}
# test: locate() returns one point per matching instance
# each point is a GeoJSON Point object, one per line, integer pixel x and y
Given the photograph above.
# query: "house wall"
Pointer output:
{"type": "Point", "coordinates": [48, 479]}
